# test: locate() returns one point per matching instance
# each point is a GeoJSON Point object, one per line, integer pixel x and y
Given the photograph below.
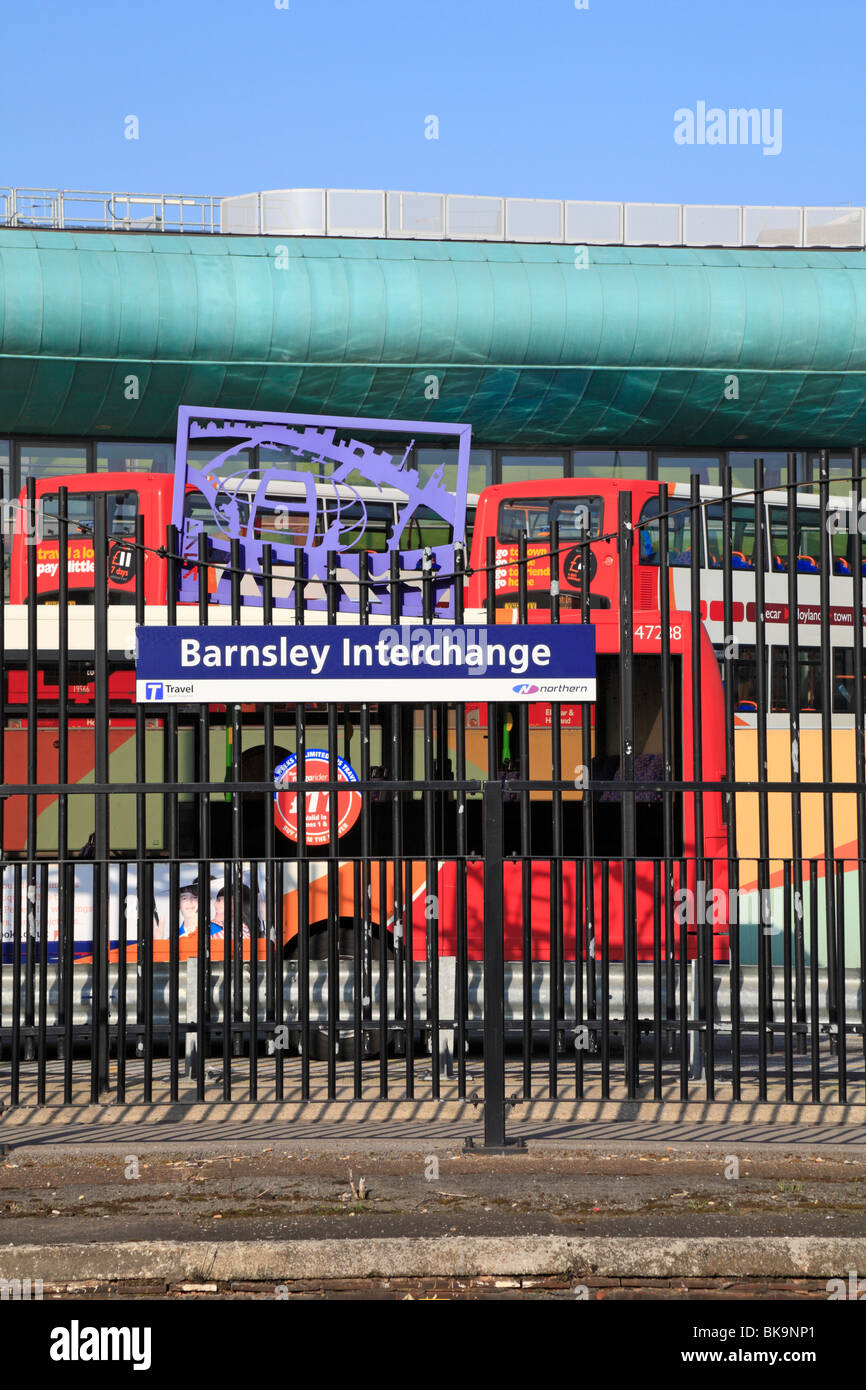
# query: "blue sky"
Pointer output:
{"type": "Point", "coordinates": [534, 98]}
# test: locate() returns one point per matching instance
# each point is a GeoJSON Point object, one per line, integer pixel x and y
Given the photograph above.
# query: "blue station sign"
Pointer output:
{"type": "Point", "coordinates": [412, 663]}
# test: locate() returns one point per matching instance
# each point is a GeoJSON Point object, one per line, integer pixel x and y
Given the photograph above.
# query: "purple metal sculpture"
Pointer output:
{"type": "Point", "coordinates": [311, 505]}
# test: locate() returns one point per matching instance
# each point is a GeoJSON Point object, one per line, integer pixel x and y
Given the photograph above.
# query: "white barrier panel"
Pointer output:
{"type": "Point", "coordinates": [294, 211]}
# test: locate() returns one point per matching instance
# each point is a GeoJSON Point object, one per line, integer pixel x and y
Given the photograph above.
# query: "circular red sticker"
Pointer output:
{"type": "Point", "coordinates": [317, 817]}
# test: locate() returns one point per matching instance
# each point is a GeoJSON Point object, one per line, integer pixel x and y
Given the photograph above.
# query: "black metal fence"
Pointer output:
{"type": "Point", "coordinates": [520, 910]}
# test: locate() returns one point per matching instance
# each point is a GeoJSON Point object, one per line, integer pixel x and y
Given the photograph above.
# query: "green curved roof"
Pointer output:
{"type": "Point", "coordinates": [528, 347]}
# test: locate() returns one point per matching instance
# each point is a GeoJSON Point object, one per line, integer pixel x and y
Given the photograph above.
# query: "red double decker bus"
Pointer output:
{"type": "Point", "coordinates": [573, 875]}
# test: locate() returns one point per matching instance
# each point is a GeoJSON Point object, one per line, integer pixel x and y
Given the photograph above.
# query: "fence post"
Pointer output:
{"type": "Point", "coordinates": [627, 764]}
{"type": "Point", "coordinates": [101, 879]}
{"type": "Point", "coordinates": [494, 980]}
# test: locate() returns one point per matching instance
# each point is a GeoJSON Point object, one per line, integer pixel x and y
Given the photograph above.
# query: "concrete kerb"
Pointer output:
{"type": "Point", "coordinates": [431, 1257]}
{"type": "Point", "coordinates": [346, 1113]}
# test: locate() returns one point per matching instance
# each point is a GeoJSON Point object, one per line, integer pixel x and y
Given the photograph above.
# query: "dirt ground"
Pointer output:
{"type": "Point", "coordinates": [284, 1192]}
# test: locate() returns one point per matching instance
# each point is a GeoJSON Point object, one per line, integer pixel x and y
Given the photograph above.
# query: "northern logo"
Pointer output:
{"type": "Point", "coordinates": [525, 689]}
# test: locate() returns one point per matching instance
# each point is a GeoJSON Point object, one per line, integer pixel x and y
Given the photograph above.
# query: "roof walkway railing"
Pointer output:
{"type": "Point", "coordinates": [352, 212]}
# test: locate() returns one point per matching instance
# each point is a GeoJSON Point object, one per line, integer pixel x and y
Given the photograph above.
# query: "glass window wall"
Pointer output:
{"type": "Point", "coordinates": [50, 460]}
{"type": "Point", "coordinates": [775, 469]}
{"type": "Point", "coordinates": [480, 466]}
{"type": "Point", "coordinates": [524, 468]}
{"type": "Point", "coordinates": [840, 472]}
{"type": "Point", "coordinates": [134, 458]}
{"type": "Point", "coordinates": [678, 468]}
{"type": "Point", "coordinates": [610, 463]}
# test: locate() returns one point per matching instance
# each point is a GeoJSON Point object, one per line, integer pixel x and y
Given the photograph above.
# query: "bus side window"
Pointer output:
{"type": "Point", "coordinates": [838, 527]}
{"type": "Point", "coordinates": [432, 528]}
{"type": "Point", "coordinates": [579, 519]}
{"type": "Point", "coordinates": [745, 680]}
{"type": "Point", "coordinates": [79, 512]}
{"type": "Point", "coordinates": [215, 524]}
{"type": "Point", "coordinates": [843, 680]}
{"type": "Point", "coordinates": [807, 540]}
{"type": "Point", "coordinates": [470, 527]}
{"type": "Point", "coordinates": [808, 688]}
{"type": "Point", "coordinates": [281, 525]}
{"type": "Point", "coordinates": [528, 519]}
{"type": "Point", "coordinates": [679, 532]}
{"type": "Point", "coordinates": [122, 511]}
{"type": "Point", "coordinates": [361, 526]}
{"type": "Point", "coordinates": [742, 536]}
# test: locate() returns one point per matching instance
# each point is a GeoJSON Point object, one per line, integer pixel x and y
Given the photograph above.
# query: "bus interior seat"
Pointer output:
{"type": "Point", "coordinates": [806, 564]}
{"type": "Point", "coordinates": [647, 549]}
{"type": "Point", "coordinates": [841, 566]}
{"type": "Point", "coordinates": [739, 561]}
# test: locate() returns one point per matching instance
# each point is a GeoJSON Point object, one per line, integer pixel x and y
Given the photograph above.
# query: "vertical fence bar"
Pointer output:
{"type": "Point", "coordinates": [122, 939]}
{"type": "Point", "coordinates": [494, 969]}
{"type": "Point", "coordinates": [173, 837]}
{"type": "Point", "coordinates": [65, 918]}
{"type": "Point", "coordinates": [765, 994]}
{"type": "Point", "coordinates": [15, 1069]}
{"type": "Point", "coordinates": [731, 647]}
{"type": "Point", "coordinates": [396, 897]}
{"type": "Point", "coordinates": [41, 1046]}
{"type": "Point", "coordinates": [657, 981]}
{"type": "Point", "coordinates": [431, 866]}
{"type": "Point", "coordinates": [4, 926]}
{"type": "Point", "coordinates": [203, 760]}
{"type": "Point", "coordinates": [703, 924]}
{"type": "Point", "coordinates": [587, 866]}
{"type": "Point", "coordinates": [628, 809]}
{"type": "Point", "coordinates": [273, 986]}
{"type": "Point", "coordinates": [787, 970]}
{"type": "Point", "coordinates": [144, 962]}
{"type": "Point", "coordinates": [99, 1074]}
{"type": "Point", "coordinates": [669, 763]}
{"type": "Point", "coordinates": [837, 1029]}
{"type": "Point", "coordinates": [557, 923]}
{"type": "Point", "coordinates": [67, 946]}
{"type": "Point", "coordinates": [363, 939]}
{"type": "Point", "coordinates": [856, 554]}
{"type": "Point", "coordinates": [334, 1035]}
{"type": "Point", "coordinates": [62, 668]}
{"type": "Point", "coordinates": [602, 867]}
{"type": "Point", "coordinates": [302, 861]}
{"type": "Point", "coordinates": [815, 982]}
{"type": "Point", "coordinates": [461, 990]}
{"type": "Point", "coordinates": [795, 752]}
{"type": "Point", "coordinates": [32, 777]}
{"type": "Point", "coordinates": [525, 852]}
{"type": "Point", "coordinates": [235, 903]}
